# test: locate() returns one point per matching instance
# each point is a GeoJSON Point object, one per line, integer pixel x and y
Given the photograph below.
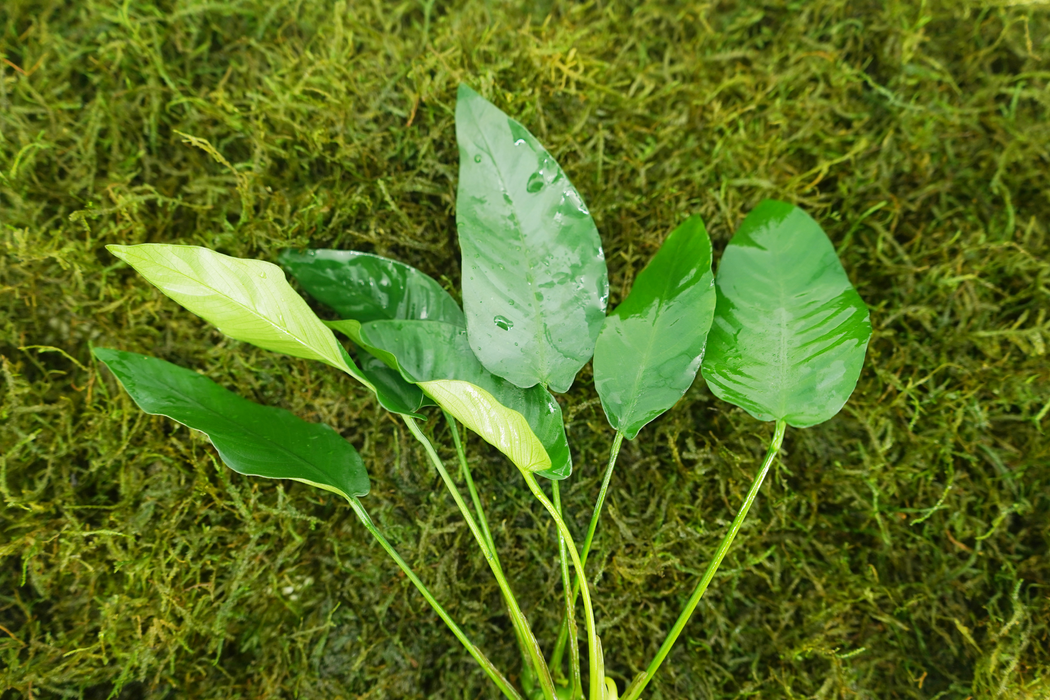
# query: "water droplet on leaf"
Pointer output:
{"type": "Point", "coordinates": [503, 322]}
{"type": "Point", "coordinates": [535, 183]}
{"type": "Point", "coordinates": [477, 159]}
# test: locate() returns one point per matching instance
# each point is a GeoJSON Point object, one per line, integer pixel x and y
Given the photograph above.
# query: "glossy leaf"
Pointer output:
{"type": "Point", "coordinates": [790, 331]}
{"type": "Point", "coordinates": [534, 279]}
{"type": "Point", "coordinates": [651, 346]}
{"type": "Point", "coordinates": [395, 394]}
{"type": "Point", "coordinates": [505, 429]}
{"type": "Point", "coordinates": [251, 439]}
{"type": "Point", "coordinates": [248, 300]}
{"type": "Point", "coordinates": [368, 287]}
{"type": "Point", "coordinates": [427, 351]}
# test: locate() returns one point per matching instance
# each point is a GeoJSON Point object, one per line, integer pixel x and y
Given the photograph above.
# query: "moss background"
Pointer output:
{"type": "Point", "coordinates": [899, 550]}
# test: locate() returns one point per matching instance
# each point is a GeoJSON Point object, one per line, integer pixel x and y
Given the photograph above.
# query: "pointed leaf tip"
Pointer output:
{"type": "Point", "coordinates": [503, 428]}
{"type": "Point", "coordinates": [650, 347]}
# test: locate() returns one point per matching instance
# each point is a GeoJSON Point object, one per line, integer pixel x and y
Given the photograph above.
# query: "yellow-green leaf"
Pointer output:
{"type": "Point", "coordinates": [248, 300]}
{"type": "Point", "coordinates": [505, 429]}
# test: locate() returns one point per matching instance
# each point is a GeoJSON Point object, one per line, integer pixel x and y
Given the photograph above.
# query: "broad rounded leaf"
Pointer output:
{"type": "Point", "coordinates": [428, 351]}
{"type": "Point", "coordinates": [368, 287]}
{"type": "Point", "coordinates": [651, 346]}
{"type": "Point", "coordinates": [248, 300]}
{"type": "Point", "coordinates": [505, 429]}
{"type": "Point", "coordinates": [251, 439]}
{"type": "Point", "coordinates": [790, 331]}
{"type": "Point", "coordinates": [535, 284]}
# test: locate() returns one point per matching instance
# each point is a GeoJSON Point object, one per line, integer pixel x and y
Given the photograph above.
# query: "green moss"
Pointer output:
{"type": "Point", "coordinates": [898, 552]}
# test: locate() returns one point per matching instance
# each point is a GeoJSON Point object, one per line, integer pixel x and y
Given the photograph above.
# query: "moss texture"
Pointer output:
{"type": "Point", "coordinates": [899, 550]}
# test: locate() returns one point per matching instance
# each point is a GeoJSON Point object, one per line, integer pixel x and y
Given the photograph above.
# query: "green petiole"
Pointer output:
{"type": "Point", "coordinates": [464, 470]}
{"type": "Point", "coordinates": [518, 619]}
{"type": "Point", "coordinates": [564, 633]}
{"type": "Point", "coordinates": [593, 650]}
{"type": "Point", "coordinates": [570, 606]}
{"type": "Point", "coordinates": [639, 684]}
{"type": "Point", "coordinates": [490, 670]}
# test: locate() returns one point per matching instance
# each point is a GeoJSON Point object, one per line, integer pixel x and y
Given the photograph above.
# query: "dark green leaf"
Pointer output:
{"type": "Point", "coordinates": [651, 346]}
{"type": "Point", "coordinates": [427, 351]}
{"type": "Point", "coordinates": [790, 331]}
{"type": "Point", "coordinates": [251, 439]}
{"type": "Point", "coordinates": [367, 287]}
{"type": "Point", "coordinates": [394, 393]}
{"type": "Point", "coordinates": [534, 279]}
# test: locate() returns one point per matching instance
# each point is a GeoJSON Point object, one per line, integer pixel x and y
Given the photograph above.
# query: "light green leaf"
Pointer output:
{"type": "Point", "coordinates": [501, 427]}
{"type": "Point", "coordinates": [248, 300]}
{"type": "Point", "coordinates": [790, 331]}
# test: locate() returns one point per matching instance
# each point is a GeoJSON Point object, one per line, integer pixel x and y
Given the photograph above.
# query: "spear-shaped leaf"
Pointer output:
{"type": "Point", "coordinates": [251, 439]}
{"type": "Point", "coordinates": [248, 300]}
{"type": "Point", "coordinates": [651, 346]}
{"type": "Point", "coordinates": [534, 279]}
{"type": "Point", "coordinates": [790, 331]}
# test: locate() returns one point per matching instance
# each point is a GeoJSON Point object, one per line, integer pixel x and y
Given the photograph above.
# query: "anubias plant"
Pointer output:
{"type": "Point", "coordinates": [779, 332]}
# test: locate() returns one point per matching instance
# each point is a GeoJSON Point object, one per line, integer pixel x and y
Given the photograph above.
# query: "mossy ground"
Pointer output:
{"type": "Point", "coordinates": [900, 549]}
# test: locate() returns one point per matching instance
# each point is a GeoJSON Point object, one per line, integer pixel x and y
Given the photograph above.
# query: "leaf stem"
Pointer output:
{"type": "Point", "coordinates": [570, 608]}
{"type": "Point", "coordinates": [486, 665]}
{"type": "Point", "coordinates": [464, 471]}
{"type": "Point", "coordinates": [516, 616]}
{"type": "Point", "coordinates": [593, 648]}
{"type": "Point", "coordinates": [639, 684]}
{"type": "Point", "coordinates": [563, 634]}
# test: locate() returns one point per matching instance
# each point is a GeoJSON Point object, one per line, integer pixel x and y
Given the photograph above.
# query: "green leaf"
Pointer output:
{"type": "Point", "coordinates": [251, 439]}
{"type": "Point", "coordinates": [428, 351]}
{"type": "Point", "coordinates": [505, 429]}
{"type": "Point", "coordinates": [248, 300]}
{"type": "Point", "coordinates": [394, 393]}
{"type": "Point", "coordinates": [535, 284]}
{"type": "Point", "coordinates": [790, 331]}
{"type": "Point", "coordinates": [651, 346]}
{"type": "Point", "coordinates": [367, 287]}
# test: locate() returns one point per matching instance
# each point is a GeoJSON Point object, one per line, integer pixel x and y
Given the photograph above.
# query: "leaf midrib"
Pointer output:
{"type": "Point", "coordinates": [660, 304]}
